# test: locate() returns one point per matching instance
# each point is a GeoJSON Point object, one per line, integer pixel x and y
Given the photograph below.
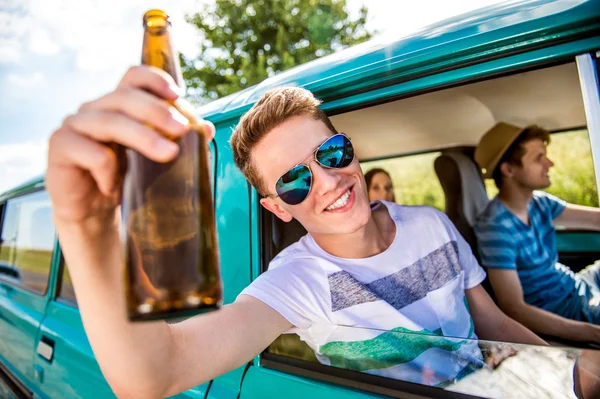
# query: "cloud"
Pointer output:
{"type": "Point", "coordinates": [22, 161]}
{"type": "Point", "coordinates": [40, 43]}
{"type": "Point", "coordinates": [11, 52]}
{"type": "Point", "coordinates": [25, 80]}
{"type": "Point", "coordinates": [91, 30]}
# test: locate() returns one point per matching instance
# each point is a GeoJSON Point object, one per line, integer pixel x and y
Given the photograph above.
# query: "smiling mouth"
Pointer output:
{"type": "Point", "coordinates": [340, 202]}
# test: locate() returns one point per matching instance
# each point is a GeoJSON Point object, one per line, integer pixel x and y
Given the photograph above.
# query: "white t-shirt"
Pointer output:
{"type": "Point", "coordinates": [377, 314]}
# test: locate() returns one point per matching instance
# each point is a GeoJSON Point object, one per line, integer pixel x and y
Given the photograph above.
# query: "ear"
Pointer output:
{"type": "Point", "coordinates": [272, 206]}
{"type": "Point", "coordinates": [506, 169]}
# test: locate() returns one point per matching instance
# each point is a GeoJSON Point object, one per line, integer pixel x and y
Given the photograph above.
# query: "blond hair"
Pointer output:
{"type": "Point", "coordinates": [272, 109]}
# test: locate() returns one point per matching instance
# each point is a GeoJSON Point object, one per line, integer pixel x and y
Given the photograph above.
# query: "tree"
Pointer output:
{"type": "Point", "coordinates": [247, 41]}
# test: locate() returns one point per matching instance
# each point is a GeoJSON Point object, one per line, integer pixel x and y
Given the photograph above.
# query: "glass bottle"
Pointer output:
{"type": "Point", "coordinates": [171, 251]}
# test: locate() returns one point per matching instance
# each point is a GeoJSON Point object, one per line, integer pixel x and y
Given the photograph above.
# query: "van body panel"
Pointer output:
{"type": "Point", "coordinates": [263, 383]}
{"type": "Point", "coordinates": [73, 371]}
{"type": "Point", "coordinates": [233, 218]}
{"type": "Point", "coordinates": [21, 313]}
{"type": "Point", "coordinates": [231, 193]}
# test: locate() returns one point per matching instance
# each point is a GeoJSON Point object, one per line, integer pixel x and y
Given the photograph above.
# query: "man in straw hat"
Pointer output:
{"type": "Point", "coordinates": [516, 236]}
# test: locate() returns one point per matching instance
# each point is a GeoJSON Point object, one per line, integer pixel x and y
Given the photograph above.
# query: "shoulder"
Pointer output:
{"type": "Point", "coordinates": [297, 260]}
{"type": "Point", "coordinates": [303, 251]}
{"type": "Point", "coordinates": [545, 200]}
{"type": "Point", "coordinates": [493, 216]}
{"type": "Point", "coordinates": [423, 221]}
{"type": "Point", "coordinates": [408, 213]}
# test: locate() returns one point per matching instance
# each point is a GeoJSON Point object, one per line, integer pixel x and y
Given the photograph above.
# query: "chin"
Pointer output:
{"type": "Point", "coordinates": [356, 221]}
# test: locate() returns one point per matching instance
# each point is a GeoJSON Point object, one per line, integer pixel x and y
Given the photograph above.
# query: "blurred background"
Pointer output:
{"type": "Point", "coordinates": [54, 55]}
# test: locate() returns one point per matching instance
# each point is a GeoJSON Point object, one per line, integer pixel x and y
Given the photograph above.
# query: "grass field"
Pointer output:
{"type": "Point", "coordinates": [30, 262]}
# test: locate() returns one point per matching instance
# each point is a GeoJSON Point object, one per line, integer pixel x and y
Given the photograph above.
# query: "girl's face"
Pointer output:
{"type": "Point", "coordinates": [381, 188]}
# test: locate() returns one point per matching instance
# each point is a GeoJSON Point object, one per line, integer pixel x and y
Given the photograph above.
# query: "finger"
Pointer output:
{"type": "Point", "coordinates": [206, 127]}
{"type": "Point", "coordinates": [67, 148]}
{"type": "Point", "coordinates": [209, 130]}
{"type": "Point", "coordinates": [152, 79]}
{"type": "Point", "coordinates": [143, 107]}
{"type": "Point", "coordinates": [107, 127]}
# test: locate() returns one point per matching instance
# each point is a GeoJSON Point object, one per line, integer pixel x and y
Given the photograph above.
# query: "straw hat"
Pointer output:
{"type": "Point", "coordinates": [494, 144]}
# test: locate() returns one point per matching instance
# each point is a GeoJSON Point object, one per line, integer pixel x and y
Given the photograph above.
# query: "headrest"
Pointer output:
{"type": "Point", "coordinates": [462, 183]}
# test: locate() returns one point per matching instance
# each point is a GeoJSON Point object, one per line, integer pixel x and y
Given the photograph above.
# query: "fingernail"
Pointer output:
{"type": "Point", "coordinates": [178, 91]}
{"type": "Point", "coordinates": [178, 121]}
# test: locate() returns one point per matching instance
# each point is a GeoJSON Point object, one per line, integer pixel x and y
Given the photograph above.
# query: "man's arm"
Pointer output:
{"type": "Point", "coordinates": [156, 359]}
{"type": "Point", "coordinates": [491, 324]}
{"type": "Point", "coordinates": [509, 293]}
{"type": "Point", "coordinates": [84, 179]}
{"type": "Point", "coordinates": [579, 217]}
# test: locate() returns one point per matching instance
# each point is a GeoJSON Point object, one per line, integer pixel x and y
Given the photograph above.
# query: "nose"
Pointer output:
{"type": "Point", "coordinates": [549, 162]}
{"type": "Point", "coordinates": [324, 179]}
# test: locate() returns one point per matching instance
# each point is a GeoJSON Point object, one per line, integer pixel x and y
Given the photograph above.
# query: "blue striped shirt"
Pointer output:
{"type": "Point", "coordinates": [505, 242]}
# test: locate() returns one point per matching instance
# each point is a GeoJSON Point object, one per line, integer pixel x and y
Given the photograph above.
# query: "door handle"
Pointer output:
{"type": "Point", "coordinates": [45, 348]}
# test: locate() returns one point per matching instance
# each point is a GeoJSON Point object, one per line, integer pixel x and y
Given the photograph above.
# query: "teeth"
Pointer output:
{"type": "Point", "coordinates": [343, 200]}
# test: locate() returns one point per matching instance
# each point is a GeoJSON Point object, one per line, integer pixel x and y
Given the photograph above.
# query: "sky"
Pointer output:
{"type": "Point", "coordinates": [55, 55]}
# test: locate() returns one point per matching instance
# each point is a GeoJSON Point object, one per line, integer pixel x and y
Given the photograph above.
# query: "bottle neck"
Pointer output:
{"type": "Point", "coordinates": [158, 51]}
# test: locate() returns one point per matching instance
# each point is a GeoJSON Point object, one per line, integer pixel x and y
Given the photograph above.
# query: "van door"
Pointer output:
{"type": "Point", "coordinates": [26, 250]}
{"type": "Point", "coordinates": [65, 364]}
{"type": "Point", "coordinates": [68, 368]}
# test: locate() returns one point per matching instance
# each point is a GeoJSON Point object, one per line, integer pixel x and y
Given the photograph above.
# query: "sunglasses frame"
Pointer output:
{"type": "Point", "coordinates": [314, 156]}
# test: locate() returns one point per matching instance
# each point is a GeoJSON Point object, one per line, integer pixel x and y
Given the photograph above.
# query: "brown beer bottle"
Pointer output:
{"type": "Point", "coordinates": [171, 252]}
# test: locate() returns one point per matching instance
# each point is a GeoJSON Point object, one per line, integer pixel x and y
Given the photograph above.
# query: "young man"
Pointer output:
{"type": "Point", "coordinates": [383, 271]}
{"type": "Point", "coordinates": [516, 238]}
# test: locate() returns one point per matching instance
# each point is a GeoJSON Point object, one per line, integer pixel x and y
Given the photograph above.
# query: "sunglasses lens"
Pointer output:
{"type": "Point", "coordinates": [294, 186]}
{"type": "Point", "coordinates": [337, 152]}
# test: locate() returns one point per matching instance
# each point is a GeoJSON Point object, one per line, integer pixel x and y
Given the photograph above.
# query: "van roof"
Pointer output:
{"type": "Point", "coordinates": [463, 39]}
{"type": "Point", "coordinates": [498, 28]}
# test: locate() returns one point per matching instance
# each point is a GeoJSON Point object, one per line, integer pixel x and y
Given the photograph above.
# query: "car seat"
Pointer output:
{"type": "Point", "coordinates": [465, 194]}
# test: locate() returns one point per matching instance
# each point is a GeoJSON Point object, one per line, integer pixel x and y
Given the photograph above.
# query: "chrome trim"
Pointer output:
{"type": "Point", "coordinates": [588, 79]}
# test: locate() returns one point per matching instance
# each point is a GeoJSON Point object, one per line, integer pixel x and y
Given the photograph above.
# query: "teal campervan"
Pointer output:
{"type": "Point", "coordinates": [418, 103]}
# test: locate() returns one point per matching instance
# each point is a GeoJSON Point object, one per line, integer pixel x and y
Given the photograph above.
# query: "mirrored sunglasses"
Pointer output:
{"type": "Point", "coordinates": [335, 153]}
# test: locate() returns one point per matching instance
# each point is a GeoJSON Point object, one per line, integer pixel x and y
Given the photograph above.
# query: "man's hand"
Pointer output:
{"type": "Point", "coordinates": [85, 163]}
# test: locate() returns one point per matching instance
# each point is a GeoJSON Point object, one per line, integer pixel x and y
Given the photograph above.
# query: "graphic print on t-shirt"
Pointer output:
{"type": "Point", "coordinates": [399, 289]}
{"type": "Point", "coordinates": [405, 287]}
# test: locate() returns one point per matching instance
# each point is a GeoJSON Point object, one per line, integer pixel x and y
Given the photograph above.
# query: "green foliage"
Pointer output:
{"type": "Point", "coordinates": [247, 41]}
{"type": "Point", "coordinates": [572, 176]}
{"type": "Point", "coordinates": [415, 181]}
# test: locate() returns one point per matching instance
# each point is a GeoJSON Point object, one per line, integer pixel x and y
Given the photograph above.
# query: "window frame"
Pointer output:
{"type": "Point", "coordinates": [509, 64]}
{"type": "Point", "coordinates": [49, 281]}
{"type": "Point", "coordinates": [59, 283]}
{"type": "Point", "coordinates": [357, 380]}
{"type": "Point", "coordinates": [589, 69]}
